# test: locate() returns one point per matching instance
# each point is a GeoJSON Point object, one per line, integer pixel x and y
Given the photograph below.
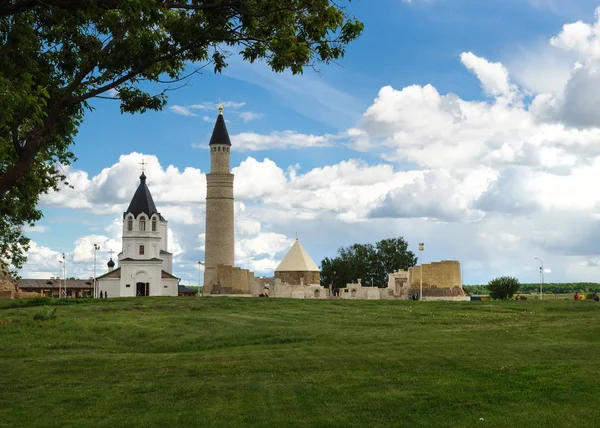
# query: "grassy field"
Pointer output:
{"type": "Point", "coordinates": [292, 363]}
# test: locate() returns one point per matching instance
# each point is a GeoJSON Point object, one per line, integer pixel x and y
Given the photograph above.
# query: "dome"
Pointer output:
{"type": "Point", "coordinates": [110, 263]}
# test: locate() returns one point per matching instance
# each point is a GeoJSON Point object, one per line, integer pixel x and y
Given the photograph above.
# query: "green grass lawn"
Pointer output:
{"type": "Point", "coordinates": [300, 363]}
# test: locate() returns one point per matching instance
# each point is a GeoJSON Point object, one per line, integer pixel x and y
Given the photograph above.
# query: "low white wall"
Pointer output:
{"type": "Point", "coordinates": [448, 299]}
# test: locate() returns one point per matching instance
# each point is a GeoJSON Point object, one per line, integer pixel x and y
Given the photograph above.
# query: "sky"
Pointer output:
{"type": "Point", "coordinates": [472, 126]}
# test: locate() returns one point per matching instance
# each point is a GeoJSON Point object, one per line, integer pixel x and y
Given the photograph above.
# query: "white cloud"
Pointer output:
{"type": "Point", "coordinates": [84, 247]}
{"type": "Point", "coordinates": [35, 229]}
{"type": "Point", "coordinates": [247, 116]}
{"type": "Point", "coordinates": [112, 189]}
{"type": "Point", "coordinates": [248, 141]}
{"type": "Point", "coordinates": [184, 111]}
{"type": "Point", "coordinates": [493, 76]}
{"type": "Point", "coordinates": [214, 106]}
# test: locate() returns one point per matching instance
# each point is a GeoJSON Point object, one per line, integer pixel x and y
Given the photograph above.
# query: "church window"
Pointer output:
{"type": "Point", "coordinates": [141, 250]}
{"type": "Point", "coordinates": [153, 225]}
{"type": "Point", "coordinates": [219, 148]}
{"type": "Point", "coordinates": [142, 224]}
{"type": "Point", "coordinates": [130, 224]}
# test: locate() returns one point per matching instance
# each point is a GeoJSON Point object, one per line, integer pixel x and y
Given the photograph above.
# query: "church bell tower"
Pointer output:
{"type": "Point", "coordinates": [219, 238]}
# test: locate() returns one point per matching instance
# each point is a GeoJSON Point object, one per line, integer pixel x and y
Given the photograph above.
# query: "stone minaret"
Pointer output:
{"type": "Point", "coordinates": [219, 245]}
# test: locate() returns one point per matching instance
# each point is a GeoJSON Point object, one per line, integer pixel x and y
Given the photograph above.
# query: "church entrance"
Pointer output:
{"type": "Point", "coordinates": [142, 289]}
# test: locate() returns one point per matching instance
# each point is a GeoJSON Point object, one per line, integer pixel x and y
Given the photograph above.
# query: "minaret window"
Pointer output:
{"type": "Point", "coordinates": [141, 250]}
{"type": "Point", "coordinates": [130, 224]}
{"type": "Point", "coordinates": [153, 225]}
{"type": "Point", "coordinates": [142, 224]}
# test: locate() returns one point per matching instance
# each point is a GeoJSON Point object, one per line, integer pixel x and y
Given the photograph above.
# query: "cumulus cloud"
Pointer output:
{"type": "Point", "coordinates": [575, 105]}
{"type": "Point", "coordinates": [493, 76]}
{"type": "Point", "coordinates": [114, 186]}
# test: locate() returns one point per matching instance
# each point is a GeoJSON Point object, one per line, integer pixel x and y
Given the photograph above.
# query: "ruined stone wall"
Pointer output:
{"type": "Point", "coordinates": [285, 290]}
{"type": "Point", "coordinates": [444, 274]}
{"type": "Point", "coordinates": [398, 284]}
{"type": "Point", "coordinates": [231, 280]}
{"type": "Point", "coordinates": [298, 278]}
{"type": "Point", "coordinates": [433, 291]}
{"type": "Point", "coordinates": [7, 289]}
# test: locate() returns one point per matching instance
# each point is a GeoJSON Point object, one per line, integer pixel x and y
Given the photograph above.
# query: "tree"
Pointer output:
{"type": "Point", "coordinates": [503, 287]}
{"type": "Point", "coordinates": [57, 55]}
{"type": "Point", "coordinates": [371, 263]}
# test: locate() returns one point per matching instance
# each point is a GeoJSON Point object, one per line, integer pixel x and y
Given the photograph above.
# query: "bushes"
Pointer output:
{"type": "Point", "coordinates": [47, 313]}
{"type": "Point", "coordinates": [503, 287]}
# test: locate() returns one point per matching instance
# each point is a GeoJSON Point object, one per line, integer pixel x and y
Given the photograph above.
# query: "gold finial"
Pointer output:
{"type": "Point", "coordinates": [220, 106]}
{"type": "Point", "coordinates": [296, 236]}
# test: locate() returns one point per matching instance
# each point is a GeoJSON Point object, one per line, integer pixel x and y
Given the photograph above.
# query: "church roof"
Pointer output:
{"type": "Point", "coordinates": [297, 260]}
{"type": "Point", "coordinates": [116, 273]}
{"type": "Point", "coordinates": [142, 201]}
{"type": "Point", "coordinates": [220, 134]}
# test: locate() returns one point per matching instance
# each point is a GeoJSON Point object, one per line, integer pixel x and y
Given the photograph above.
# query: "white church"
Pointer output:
{"type": "Point", "coordinates": [145, 264]}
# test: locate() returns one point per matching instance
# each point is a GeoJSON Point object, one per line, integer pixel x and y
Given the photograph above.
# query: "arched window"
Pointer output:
{"type": "Point", "coordinates": [130, 223]}
{"type": "Point", "coordinates": [141, 250]}
{"type": "Point", "coordinates": [154, 224]}
{"type": "Point", "coordinates": [142, 224]}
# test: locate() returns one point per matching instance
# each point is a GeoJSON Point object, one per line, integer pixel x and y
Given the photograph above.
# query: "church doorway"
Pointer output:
{"type": "Point", "coordinates": [142, 289]}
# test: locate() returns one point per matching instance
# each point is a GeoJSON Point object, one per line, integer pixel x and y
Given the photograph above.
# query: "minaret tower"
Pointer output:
{"type": "Point", "coordinates": [219, 245]}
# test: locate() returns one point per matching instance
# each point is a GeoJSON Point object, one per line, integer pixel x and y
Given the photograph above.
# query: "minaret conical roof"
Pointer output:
{"type": "Point", "coordinates": [220, 134]}
{"type": "Point", "coordinates": [298, 260]}
{"type": "Point", "coordinates": [142, 200]}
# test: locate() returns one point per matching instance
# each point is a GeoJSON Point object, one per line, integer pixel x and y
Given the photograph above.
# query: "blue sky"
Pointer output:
{"type": "Point", "coordinates": [465, 124]}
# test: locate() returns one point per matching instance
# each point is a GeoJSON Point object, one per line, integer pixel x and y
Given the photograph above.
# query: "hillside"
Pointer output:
{"type": "Point", "coordinates": [294, 363]}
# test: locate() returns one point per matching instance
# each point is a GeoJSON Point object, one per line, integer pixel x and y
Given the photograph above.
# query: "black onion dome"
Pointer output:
{"type": "Point", "coordinates": [220, 134]}
{"type": "Point", "coordinates": [142, 200]}
{"type": "Point", "coordinates": [110, 263]}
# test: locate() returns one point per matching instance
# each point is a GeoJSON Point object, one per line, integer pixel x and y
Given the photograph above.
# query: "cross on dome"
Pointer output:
{"type": "Point", "coordinates": [220, 106]}
{"type": "Point", "coordinates": [111, 252]}
{"type": "Point", "coordinates": [143, 164]}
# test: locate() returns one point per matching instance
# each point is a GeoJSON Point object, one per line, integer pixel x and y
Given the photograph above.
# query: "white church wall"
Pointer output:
{"type": "Point", "coordinates": [110, 286]}
{"type": "Point", "coordinates": [164, 236]}
{"type": "Point", "coordinates": [167, 262]}
{"type": "Point", "coordinates": [170, 287]}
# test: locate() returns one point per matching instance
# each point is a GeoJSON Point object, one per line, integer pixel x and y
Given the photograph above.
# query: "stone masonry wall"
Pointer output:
{"type": "Point", "coordinates": [231, 280]}
{"type": "Point", "coordinates": [297, 277]}
{"type": "Point", "coordinates": [444, 274]}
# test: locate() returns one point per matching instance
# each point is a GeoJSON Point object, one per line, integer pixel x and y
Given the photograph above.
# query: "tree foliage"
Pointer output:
{"type": "Point", "coordinates": [370, 263]}
{"type": "Point", "coordinates": [57, 55]}
{"type": "Point", "coordinates": [503, 287]}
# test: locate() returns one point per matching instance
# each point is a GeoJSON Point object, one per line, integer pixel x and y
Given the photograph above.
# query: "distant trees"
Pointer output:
{"type": "Point", "coordinates": [503, 287]}
{"type": "Point", "coordinates": [371, 263]}
{"type": "Point", "coordinates": [554, 288]}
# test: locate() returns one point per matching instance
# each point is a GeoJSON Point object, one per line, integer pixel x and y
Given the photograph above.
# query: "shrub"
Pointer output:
{"type": "Point", "coordinates": [503, 287]}
{"type": "Point", "coordinates": [47, 313]}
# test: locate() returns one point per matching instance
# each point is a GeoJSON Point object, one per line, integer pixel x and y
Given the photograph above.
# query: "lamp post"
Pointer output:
{"type": "Point", "coordinates": [541, 277]}
{"type": "Point", "coordinates": [96, 248]}
{"type": "Point", "coordinates": [60, 271]}
{"type": "Point", "coordinates": [421, 248]}
{"type": "Point", "coordinates": [65, 272]}
{"type": "Point", "coordinates": [200, 264]}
